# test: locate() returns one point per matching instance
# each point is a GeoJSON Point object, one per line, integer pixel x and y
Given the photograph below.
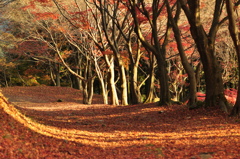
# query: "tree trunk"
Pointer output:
{"type": "Point", "coordinates": [124, 92]}
{"type": "Point", "coordinates": [102, 82]}
{"type": "Point", "coordinates": [206, 48]}
{"type": "Point", "coordinates": [212, 71]}
{"type": "Point", "coordinates": [235, 34]}
{"type": "Point", "coordinates": [5, 77]}
{"type": "Point", "coordinates": [104, 91]}
{"type": "Point", "coordinates": [135, 93]}
{"type": "Point", "coordinates": [112, 86]}
{"type": "Point", "coordinates": [197, 76]}
{"type": "Point", "coordinates": [185, 63]}
{"type": "Point", "coordinates": [85, 92]}
{"type": "Point", "coordinates": [165, 98]}
{"type": "Point", "coordinates": [134, 90]}
{"type": "Point", "coordinates": [150, 95]}
{"type": "Point", "coordinates": [154, 46]}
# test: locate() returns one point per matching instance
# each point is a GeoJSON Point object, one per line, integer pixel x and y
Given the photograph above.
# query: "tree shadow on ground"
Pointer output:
{"type": "Point", "coordinates": [142, 117]}
{"type": "Point", "coordinates": [134, 130]}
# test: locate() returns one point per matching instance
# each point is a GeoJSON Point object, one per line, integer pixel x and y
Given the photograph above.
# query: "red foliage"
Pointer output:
{"type": "Point", "coordinates": [43, 1]}
{"type": "Point", "coordinates": [107, 52]}
{"type": "Point", "coordinates": [29, 47]}
{"type": "Point", "coordinates": [201, 96]}
{"type": "Point", "coordinates": [46, 15]}
{"type": "Point", "coordinates": [231, 95]}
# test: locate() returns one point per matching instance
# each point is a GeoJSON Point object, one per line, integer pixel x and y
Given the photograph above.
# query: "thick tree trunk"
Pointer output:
{"type": "Point", "coordinates": [206, 48]}
{"type": "Point", "coordinates": [90, 90]}
{"type": "Point", "coordinates": [212, 70]}
{"type": "Point", "coordinates": [214, 85]}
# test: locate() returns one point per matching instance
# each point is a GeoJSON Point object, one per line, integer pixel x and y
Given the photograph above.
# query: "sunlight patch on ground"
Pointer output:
{"type": "Point", "coordinates": [118, 138]}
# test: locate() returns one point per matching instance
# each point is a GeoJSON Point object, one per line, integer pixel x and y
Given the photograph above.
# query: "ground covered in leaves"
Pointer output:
{"type": "Point", "coordinates": [50, 122]}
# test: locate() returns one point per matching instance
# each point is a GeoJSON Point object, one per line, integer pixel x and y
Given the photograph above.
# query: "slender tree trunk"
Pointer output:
{"type": "Point", "coordinates": [150, 95]}
{"type": "Point", "coordinates": [88, 83]}
{"type": "Point", "coordinates": [165, 98]}
{"type": "Point", "coordinates": [135, 93]}
{"type": "Point", "coordinates": [90, 90]}
{"type": "Point", "coordinates": [85, 92]}
{"type": "Point", "coordinates": [112, 86]}
{"type": "Point", "coordinates": [124, 92]}
{"type": "Point", "coordinates": [157, 48]}
{"type": "Point", "coordinates": [197, 76]}
{"type": "Point", "coordinates": [235, 34]}
{"type": "Point", "coordinates": [185, 63]}
{"type": "Point", "coordinates": [5, 78]}
{"type": "Point", "coordinates": [102, 82]}
{"type": "Point", "coordinates": [104, 91]}
{"type": "Point", "coordinates": [58, 82]}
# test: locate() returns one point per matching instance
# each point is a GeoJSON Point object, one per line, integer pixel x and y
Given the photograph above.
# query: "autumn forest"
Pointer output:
{"type": "Point", "coordinates": [170, 53]}
{"type": "Point", "coordinates": [128, 51]}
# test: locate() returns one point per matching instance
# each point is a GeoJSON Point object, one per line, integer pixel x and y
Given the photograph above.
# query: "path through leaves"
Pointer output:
{"type": "Point", "coordinates": [68, 129]}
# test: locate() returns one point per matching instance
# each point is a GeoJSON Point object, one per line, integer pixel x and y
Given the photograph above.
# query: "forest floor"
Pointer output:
{"type": "Point", "coordinates": [50, 123]}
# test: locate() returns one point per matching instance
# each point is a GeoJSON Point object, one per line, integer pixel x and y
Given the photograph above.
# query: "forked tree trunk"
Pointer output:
{"type": "Point", "coordinates": [155, 46]}
{"type": "Point", "coordinates": [206, 48]}
{"type": "Point", "coordinates": [88, 91]}
{"type": "Point", "coordinates": [88, 84]}
{"type": "Point", "coordinates": [214, 84]}
{"type": "Point", "coordinates": [212, 70]}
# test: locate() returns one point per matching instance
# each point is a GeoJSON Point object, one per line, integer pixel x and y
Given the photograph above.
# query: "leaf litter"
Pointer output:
{"type": "Point", "coordinates": [35, 125]}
